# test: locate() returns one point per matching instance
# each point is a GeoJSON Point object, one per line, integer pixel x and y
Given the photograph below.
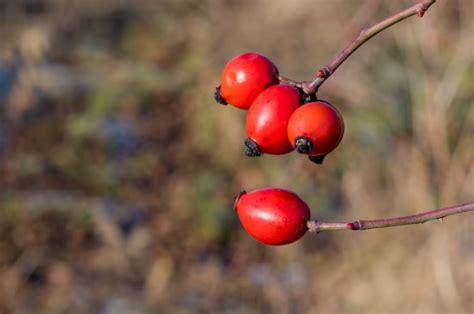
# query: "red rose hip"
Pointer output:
{"type": "Point", "coordinates": [267, 120]}
{"type": "Point", "coordinates": [315, 129]}
{"type": "Point", "coordinates": [244, 78]}
{"type": "Point", "coordinates": [272, 215]}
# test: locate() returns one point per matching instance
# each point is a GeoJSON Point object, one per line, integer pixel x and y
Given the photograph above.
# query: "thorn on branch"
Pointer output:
{"type": "Point", "coordinates": [421, 10]}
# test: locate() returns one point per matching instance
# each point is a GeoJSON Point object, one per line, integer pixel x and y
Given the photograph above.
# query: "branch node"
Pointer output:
{"type": "Point", "coordinates": [313, 226]}
{"type": "Point", "coordinates": [355, 225]}
{"type": "Point", "coordinates": [420, 11]}
{"type": "Point", "coordinates": [306, 87]}
{"type": "Point", "coordinates": [324, 72]}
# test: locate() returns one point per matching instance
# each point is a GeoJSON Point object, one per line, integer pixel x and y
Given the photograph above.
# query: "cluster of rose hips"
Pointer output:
{"type": "Point", "coordinates": [280, 119]}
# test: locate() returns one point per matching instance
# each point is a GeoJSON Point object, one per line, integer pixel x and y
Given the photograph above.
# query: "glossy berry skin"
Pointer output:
{"type": "Point", "coordinates": [268, 116]}
{"type": "Point", "coordinates": [272, 215]}
{"type": "Point", "coordinates": [316, 128]}
{"type": "Point", "coordinates": [245, 77]}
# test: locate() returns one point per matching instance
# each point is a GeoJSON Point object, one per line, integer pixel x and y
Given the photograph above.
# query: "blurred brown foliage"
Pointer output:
{"type": "Point", "coordinates": [117, 169]}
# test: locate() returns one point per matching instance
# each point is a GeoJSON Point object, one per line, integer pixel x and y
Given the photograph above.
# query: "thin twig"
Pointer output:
{"type": "Point", "coordinates": [287, 81]}
{"type": "Point", "coordinates": [319, 226]}
{"type": "Point", "coordinates": [311, 87]}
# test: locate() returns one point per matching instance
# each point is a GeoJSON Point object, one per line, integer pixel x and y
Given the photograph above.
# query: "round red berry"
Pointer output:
{"type": "Point", "coordinates": [272, 215]}
{"type": "Point", "coordinates": [244, 77]}
{"type": "Point", "coordinates": [267, 119]}
{"type": "Point", "coordinates": [315, 128]}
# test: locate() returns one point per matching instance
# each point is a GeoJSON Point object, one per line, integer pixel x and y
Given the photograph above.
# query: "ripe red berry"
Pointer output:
{"type": "Point", "coordinates": [315, 128]}
{"type": "Point", "coordinates": [244, 77]}
{"type": "Point", "coordinates": [267, 120]}
{"type": "Point", "coordinates": [272, 215]}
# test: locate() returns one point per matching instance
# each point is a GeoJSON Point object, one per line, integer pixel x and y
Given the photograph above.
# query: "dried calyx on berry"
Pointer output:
{"type": "Point", "coordinates": [303, 144]}
{"type": "Point", "coordinates": [237, 197]}
{"type": "Point", "coordinates": [251, 148]}
{"type": "Point", "coordinates": [218, 97]}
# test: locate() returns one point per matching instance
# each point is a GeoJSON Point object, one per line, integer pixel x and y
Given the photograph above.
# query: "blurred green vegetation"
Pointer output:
{"type": "Point", "coordinates": [118, 170]}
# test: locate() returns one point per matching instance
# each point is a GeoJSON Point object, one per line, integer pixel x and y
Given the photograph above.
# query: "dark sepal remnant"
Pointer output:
{"type": "Point", "coordinates": [303, 144]}
{"type": "Point", "coordinates": [237, 197]}
{"type": "Point", "coordinates": [218, 97]}
{"type": "Point", "coordinates": [317, 159]}
{"type": "Point", "coordinates": [251, 148]}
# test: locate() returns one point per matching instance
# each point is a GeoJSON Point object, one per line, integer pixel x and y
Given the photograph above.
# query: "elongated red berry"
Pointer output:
{"type": "Point", "coordinates": [272, 215]}
{"type": "Point", "coordinates": [244, 78]}
{"type": "Point", "coordinates": [267, 120]}
{"type": "Point", "coordinates": [316, 128]}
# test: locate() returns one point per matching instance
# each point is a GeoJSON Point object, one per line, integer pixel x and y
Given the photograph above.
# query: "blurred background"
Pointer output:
{"type": "Point", "coordinates": [118, 169]}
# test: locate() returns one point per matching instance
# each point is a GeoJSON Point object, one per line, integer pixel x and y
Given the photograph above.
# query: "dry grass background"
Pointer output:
{"type": "Point", "coordinates": [117, 169]}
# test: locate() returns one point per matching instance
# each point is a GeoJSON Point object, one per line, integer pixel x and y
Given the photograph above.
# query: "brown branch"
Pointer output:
{"type": "Point", "coordinates": [311, 87]}
{"type": "Point", "coordinates": [315, 226]}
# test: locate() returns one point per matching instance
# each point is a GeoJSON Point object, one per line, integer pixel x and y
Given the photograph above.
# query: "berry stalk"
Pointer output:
{"type": "Point", "coordinates": [311, 87]}
{"type": "Point", "coordinates": [315, 226]}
